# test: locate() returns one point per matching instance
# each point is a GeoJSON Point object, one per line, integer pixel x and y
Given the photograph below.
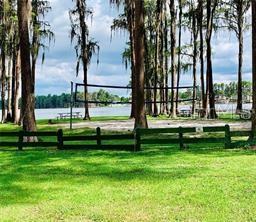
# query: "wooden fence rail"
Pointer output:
{"type": "Point", "coordinates": [99, 140]}
{"type": "Point", "coordinates": [180, 138]}
{"type": "Point", "coordinates": [181, 135]}
{"type": "Point", "coordinates": [22, 141]}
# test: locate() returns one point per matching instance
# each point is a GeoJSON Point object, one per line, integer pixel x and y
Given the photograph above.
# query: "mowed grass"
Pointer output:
{"type": "Point", "coordinates": [203, 183]}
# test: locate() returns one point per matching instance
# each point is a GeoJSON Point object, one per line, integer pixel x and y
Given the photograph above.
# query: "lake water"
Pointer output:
{"type": "Point", "coordinates": [94, 112]}
{"type": "Point", "coordinates": [117, 110]}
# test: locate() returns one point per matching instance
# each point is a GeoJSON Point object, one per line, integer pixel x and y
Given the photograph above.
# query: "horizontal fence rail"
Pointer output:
{"type": "Point", "coordinates": [98, 138]}
{"type": "Point", "coordinates": [180, 134]}
{"type": "Point", "coordinates": [23, 139]}
{"type": "Point", "coordinates": [129, 141]}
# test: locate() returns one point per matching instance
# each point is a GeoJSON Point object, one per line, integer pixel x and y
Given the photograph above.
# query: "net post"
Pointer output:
{"type": "Point", "coordinates": [71, 105]}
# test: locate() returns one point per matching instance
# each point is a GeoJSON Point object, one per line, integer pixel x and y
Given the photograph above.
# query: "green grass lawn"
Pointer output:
{"type": "Point", "coordinates": [204, 183]}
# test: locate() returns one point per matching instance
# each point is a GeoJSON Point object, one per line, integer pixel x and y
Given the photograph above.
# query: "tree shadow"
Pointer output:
{"type": "Point", "coordinates": [23, 173]}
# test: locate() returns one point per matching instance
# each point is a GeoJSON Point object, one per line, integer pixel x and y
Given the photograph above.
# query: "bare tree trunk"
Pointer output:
{"type": "Point", "coordinates": [149, 67]}
{"type": "Point", "coordinates": [179, 52]}
{"type": "Point", "coordinates": [157, 52]}
{"type": "Point", "coordinates": [200, 23]}
{"type": "Point", "coordinates": [166, 57]}
{"type": "Point", "coordinates": [14, 59]}
{"type": "Point", "coordinates": [15, 108]}
{"type": "Point", "coordinates": [33, 68]}
{"type": "Point", "coordinates": [173, 60]}
{"type": "Point", "coordinates": [195, 36]}
{"type": "Point", "coordinates": [210, 14]}
{"type": "Point", "coordinates": [81, 12]}
{"type": "Point", "coordinates": [133, 107]}
{"type": "Point", "coordinates": [131, 30]}
{"type": "Point", "coordinates": [9, 92]}
{"type": "Point", "coordinates": [28, 102]}
{"type": "Point", "coordinates": [239, 83]}
{"type": "Point", "coordinates": [3, 84]}
{"type": "Point", "coordinates": [139, 46]}
{"type": "Point", "coordinates": [147, 78]}
{"type": "Point", "coordinates": [155, 108]}
{"type": "Point", "coordinates": [161, 62]}
{"type": "Point", "coordinates": [34, 45]}
{"type": "Point", "coordinates": [86, 106]}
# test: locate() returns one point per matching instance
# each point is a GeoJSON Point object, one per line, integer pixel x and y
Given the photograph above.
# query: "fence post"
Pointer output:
{"type": "Point", "coordinates": [137, 137]}
{"type": "Point", "coordinates": [181, 138]}
{"type": "Point", "coordinates": [227, 137]}
{"type": "Point", "coordinates": [20, 140]}
{"type": "Point", "coordinates": [60, 139]}
{"type": "Point", "coordinates": [98, 132]}
{"type": "Point", "coordinates": [251, 137]}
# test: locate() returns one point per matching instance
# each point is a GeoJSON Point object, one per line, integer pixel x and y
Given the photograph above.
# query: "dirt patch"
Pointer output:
{"type": "Point", "coordinates": [125, 125]}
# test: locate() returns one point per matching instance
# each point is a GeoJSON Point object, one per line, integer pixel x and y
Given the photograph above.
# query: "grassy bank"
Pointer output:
{"type": "Point", "coordinates": [203, 183]}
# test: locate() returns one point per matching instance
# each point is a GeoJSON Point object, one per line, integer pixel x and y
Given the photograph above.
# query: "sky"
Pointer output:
{"type": "Point", "coordinates": [58, 70]}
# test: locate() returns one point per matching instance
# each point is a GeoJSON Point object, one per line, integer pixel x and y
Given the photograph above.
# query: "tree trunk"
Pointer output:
{"type": "Point", "coordinates": [33, 70]}
{"type": "Point", "coordinates": [34, 45]}
{"type": "Point", "coordinates": [147, 79]}
{"type": "Point", "coordinates": [28, 102]}
{"type": "Point", "coordinates": [161, 62]}
{"type": "Point", "coordinates": [86, 106]}
{"type": "Point", "coordinates": [131, 28]}
{"type": "Point", "coordinates": [173, 60]}
{"type": "Point", "coordinates": [84, 54]}
{"type": "Point", "coordinates": [195, 36]}
{"type": "Point", "coordinates": [14, 59]}
{"type": "Point", "coordinates": [15, 109]}
{"type": "Point", "coordinates": [210, 14]}
{"type": "Point", "coordinates": [166, 85]}
{"type": "Point", "coordinates": [201, 49]}
{"type": "Point", "coordinates": [3, 84]}
{"type": "Point", "coordinates": [239, 83]}
{"type": "Point", "coordinates": [179, 52]}
{"type": "Point", "coordinates": [157, 52]}
{"type": "Point", "coordinates": [139, 47]}
{"type": "Point", "coordinates": [9, 92]}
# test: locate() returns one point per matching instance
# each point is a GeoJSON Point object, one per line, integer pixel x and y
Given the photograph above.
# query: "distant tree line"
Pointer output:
{"type": "Point", "coordinates": [230, 90]}
{"type": "Point", "coordinates": [222, 91]}
{"type": "Point", "coordinates": [63, 100]}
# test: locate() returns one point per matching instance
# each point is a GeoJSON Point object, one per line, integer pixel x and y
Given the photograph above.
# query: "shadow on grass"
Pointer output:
{"type": "Point", "coordinates": [23, 174]}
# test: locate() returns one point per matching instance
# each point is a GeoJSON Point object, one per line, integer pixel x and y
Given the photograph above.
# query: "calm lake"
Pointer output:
{"type": "Point", "coordinates": [94, 112]}
{"type": "Point", "coordinates": [118, 110]}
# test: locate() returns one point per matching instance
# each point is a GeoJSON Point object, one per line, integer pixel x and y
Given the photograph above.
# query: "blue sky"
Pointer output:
{"type": "Point", "coordinates": [54, 76]}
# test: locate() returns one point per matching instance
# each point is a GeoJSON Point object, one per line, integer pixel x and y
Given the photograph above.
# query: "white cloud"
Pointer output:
{"type": "Point", "coordinates": [59, 68]}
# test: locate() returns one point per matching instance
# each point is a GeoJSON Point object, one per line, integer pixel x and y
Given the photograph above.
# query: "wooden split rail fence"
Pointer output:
{"type": "Point", "coordinates": [62, 142]}
{"type": "Point", "coordinates": [22, 143]}
{"type": "Point", "coordinates": [161, 136]}
{"type": "Point", "coordinates": [98, 138]}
